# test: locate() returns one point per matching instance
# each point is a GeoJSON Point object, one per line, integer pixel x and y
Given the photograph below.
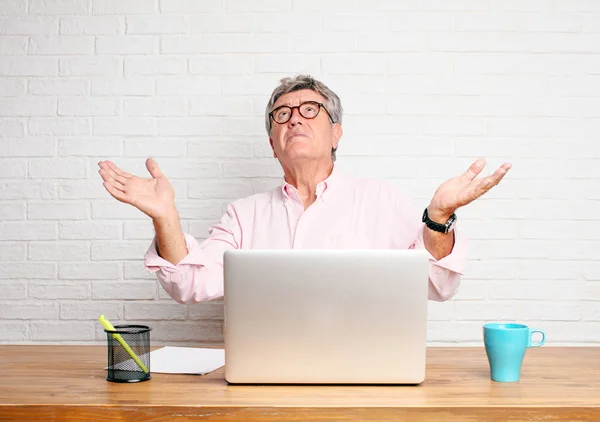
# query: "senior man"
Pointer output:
{"type": "Point", "coordinates": [314, 207]}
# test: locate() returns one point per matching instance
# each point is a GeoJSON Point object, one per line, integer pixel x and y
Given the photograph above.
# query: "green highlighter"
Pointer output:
{"type": "Point", "coordinates": [120, 339]}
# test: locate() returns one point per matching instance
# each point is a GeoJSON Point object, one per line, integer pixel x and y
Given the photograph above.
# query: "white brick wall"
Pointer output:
{"type": "Point", "coordinates": [427, 87]}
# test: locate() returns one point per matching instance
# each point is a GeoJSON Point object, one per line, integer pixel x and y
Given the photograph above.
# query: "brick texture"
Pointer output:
{"type": "Point", "coordinates": [427, 87]}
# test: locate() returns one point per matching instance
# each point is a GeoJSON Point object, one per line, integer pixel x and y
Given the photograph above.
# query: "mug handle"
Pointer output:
{"type": "Point", "coordinates": [539, 343]}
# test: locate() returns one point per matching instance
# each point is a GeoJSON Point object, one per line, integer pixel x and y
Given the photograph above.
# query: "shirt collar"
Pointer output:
{"type": "Point", "coordinates": [324, 188]}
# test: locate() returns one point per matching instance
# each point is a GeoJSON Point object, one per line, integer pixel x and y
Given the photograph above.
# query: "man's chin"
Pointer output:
{"type": "Point", "coordinates": [298, 138]}
{"type": "Point", "coordinates": [301, 154]}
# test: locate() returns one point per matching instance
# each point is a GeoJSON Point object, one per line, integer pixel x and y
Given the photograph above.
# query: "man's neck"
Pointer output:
{"type": "Point", "coordinates": [306, 177]}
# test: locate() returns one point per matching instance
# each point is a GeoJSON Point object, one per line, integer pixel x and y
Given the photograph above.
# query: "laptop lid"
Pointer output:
{"type": "Point", "coordinates": [325, 316]}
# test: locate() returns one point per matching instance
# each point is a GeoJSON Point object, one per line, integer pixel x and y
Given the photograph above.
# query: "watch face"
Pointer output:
{"type": "Point", "coordinates": [451, 223]}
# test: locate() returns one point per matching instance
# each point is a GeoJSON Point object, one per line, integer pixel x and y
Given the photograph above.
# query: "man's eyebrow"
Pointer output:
{"type": "Point", "coordinates": [301, 102]}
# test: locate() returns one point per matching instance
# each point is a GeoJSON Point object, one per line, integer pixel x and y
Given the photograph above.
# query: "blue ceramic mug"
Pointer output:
{"type": "Point", "coordinates": [505, 346]}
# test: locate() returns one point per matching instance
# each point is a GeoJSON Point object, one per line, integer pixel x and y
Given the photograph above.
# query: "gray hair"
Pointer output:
{"type": "Point", "coordinates": [299, 82]}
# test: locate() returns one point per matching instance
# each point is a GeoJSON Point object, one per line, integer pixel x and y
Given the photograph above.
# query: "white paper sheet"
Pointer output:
{"type": "Point", "coordinates": [186, 360]}
{"type": "Point", "coordinates": [181, 360]}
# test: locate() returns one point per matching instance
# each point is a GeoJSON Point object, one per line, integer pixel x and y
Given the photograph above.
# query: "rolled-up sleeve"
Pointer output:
{"type": "Point", "coordinates": [199, 275]}
{"type": "Point", "coordinates": [445, 274]}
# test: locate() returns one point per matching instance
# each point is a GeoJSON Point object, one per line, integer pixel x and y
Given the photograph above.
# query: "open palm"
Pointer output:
{"type": "Point", "coordinates": [465, 188]}
{"type": "Point", "coordinates": [154, 197]}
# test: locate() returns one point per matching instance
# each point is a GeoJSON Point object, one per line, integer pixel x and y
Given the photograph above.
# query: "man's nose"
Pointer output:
{"type": "Point", "coordinates": [296, 117]}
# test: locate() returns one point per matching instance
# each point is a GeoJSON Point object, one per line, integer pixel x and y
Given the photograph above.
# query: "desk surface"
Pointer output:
{"type": "Point", "coordinates": [69, 383]}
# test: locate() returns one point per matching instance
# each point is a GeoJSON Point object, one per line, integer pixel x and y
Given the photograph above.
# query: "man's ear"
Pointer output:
{"type": "Point", "coordinates": [337, 134]}
{"type": "Point", "coordinates": [272, 147]}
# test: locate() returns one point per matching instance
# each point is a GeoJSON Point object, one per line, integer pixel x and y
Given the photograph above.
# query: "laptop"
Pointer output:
{"type": "Point", "coordinates": [300, 316]}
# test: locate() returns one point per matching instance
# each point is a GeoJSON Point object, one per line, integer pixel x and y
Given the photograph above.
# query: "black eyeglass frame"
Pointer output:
{"type": "Point", "coordinates": [321, 106]}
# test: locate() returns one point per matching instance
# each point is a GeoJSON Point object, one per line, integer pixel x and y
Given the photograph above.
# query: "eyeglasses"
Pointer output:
{"type": "Point", "coordinates": [308, 110]}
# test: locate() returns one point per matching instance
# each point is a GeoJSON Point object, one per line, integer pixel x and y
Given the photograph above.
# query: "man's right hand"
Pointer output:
{"type": "Point", "coordinates": [154, 197]}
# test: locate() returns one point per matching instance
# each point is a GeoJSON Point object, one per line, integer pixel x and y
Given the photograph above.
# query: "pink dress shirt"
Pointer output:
{"type": "Point", "coordinates": [347, 213]}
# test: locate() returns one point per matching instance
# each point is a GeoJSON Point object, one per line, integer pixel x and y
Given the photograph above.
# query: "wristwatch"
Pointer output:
{"type": "Point", "coordinates": [442, 228]}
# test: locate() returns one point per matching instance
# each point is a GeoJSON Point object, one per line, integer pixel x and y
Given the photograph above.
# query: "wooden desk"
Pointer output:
{"type": "Point", "coordinates": [52, 383]}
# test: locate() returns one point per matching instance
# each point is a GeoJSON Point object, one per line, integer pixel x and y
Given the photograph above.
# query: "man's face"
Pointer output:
{"type": "Point", "coordinates": [302, 138]}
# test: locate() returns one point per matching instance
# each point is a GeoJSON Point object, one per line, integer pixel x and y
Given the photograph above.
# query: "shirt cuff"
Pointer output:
{"type": "Point", "coordinates": [456, 260]}
{"type": "Point", "coordinates": [155, 262]}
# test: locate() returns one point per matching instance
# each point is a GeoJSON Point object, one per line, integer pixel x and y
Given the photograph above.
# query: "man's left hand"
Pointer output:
{"type": "Point", "coordinates": [462, 190]}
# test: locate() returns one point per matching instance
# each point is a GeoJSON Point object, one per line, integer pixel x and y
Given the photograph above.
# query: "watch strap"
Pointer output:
{"type": "Point", "coordinates": [438, 227]}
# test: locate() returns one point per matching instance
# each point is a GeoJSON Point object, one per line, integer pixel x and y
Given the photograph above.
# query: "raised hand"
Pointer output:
{"type": "Point", "coordinates": [154, 197]}
{"type": "Point", "coordinates": [463, 189]}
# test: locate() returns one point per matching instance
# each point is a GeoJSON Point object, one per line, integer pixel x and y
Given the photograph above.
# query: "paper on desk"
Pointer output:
{"type": "Point", "coordinates": [186, 360]}
{"type": "Point", "coordinates": [181, 360]}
